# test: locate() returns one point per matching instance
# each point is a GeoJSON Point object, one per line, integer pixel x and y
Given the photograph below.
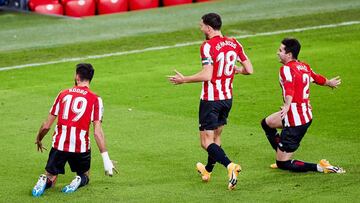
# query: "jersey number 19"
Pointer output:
{"type": "Point", "coordinates": [78, 107]}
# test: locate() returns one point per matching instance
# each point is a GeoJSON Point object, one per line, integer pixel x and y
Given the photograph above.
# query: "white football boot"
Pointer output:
{"type": "Point", "coordinates": [40, 186]}
{"type": "Point", "coordinates": [73, 186]}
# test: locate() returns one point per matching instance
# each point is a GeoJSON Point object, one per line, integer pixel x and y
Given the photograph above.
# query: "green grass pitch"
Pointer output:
{"type": "Point", "coordinates": [156, 143]}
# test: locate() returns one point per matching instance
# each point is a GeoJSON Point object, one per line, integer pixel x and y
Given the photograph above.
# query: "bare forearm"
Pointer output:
{"type": "Point", "coordinates": [242, 71]}
{"type": "Point", "coordinates": [99, 136]}
{"type": "Point", "coordinates": [100, 141]}
{"type": "Point", "coordinates": [196, 78]}
{"type": "Point", "coordinates": [288, 100]}
{"type": "Point", "coordinates": [204, 75]}
{"type": "Point", "coordinates": [285, 108]}
{"type": "Point", "coordinates": [44, 129]}
{"type": "Point", "coordinates": [247, 68]}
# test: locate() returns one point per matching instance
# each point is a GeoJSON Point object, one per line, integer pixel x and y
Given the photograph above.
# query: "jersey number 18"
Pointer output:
{"type": "Point", "coordinates": [226, 63]}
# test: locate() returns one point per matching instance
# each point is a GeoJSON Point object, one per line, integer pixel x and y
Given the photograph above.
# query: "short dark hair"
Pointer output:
{"type": "Point", "coordinates": [292, 45]}
{"type": "Point", "coordinates": [85, 71]}
{"type": "Point", "coordinates": [213, 20]}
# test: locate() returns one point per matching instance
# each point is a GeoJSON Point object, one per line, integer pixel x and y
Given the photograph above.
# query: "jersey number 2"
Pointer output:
{"type": "Point", "coordinates": [78, 107]}
{"type": "Point", "coordinates": [306, 81]}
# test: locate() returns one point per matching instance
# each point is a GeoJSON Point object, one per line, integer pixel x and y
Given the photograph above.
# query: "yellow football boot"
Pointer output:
{"type": "Point", "coordinates": [233, 172]}
{"type": "Point", "coordinates": [273, 166]}
{"type": "Point", "coordinates": [205, 175]}
{"type": "Point", "coordinates": [328, 168]}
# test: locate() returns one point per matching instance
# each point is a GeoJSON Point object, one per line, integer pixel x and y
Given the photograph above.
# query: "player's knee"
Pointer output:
{"type": "Point", "coordinates": [267, 126]}
{"type": "Point", "coordinates": [271, 123]}
{"type": "Point", "coordinates": [205, 144]}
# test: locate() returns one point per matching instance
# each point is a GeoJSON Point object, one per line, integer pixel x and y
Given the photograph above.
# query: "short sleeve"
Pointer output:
{"type": "Point", "coordinates": [55, 107]}
{"type": "Point", "coordinates": [240, 52]}
{"type": "Point", "coordinates": [97, 110]}
{"type": "Point", "coordinates": [205, 55]}
{"type": "Point", "coordinates": [287, 80]}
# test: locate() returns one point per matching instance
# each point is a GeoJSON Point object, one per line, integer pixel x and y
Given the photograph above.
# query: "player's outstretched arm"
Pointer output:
{"type": "Point", "coordinates": [100, 141]}
{"type": "Point", "coordinates": [204, 75]}
{"type": "Point", "coordinates": [333, 82]}
{"type": "Point", "coordinates": [44, 129]}
{"type": "Point", "coordinates": [321, 80]}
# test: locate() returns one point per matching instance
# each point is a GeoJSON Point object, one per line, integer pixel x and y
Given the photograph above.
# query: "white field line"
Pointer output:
{"type": "Point", "coordinates": [176, 45]}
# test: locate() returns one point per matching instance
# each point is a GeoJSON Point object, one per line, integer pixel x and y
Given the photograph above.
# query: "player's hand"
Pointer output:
{"type": "Point", "coordinates": [283, 110]}
{"type": "Point", "coordinates": [109, 165]}
{"type": "Point", "coordinates": [39, 145]}
{"type": "Point", "coordinates": [110, 168]}
{"type": "Point", "coordinates": [237, 69]}
{"type": "Point", "coordinates": [334, 82]}
{"type": "Point", "coordinates": [176, 79]}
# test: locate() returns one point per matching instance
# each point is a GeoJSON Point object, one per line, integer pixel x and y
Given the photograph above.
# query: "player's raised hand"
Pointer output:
{"type": "Point", "coordinates": [334, 82]}
{"type": "Point", "coordinates": [176, 79]}
{"type": "Point", "coordinates": [39, 145]}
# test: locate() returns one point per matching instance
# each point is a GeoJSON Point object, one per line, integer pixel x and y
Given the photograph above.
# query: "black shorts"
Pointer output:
{"type": "Point", "coordinates": [213, 114]}
{"type": "Point", "coordinates": [79, 162]}
{"type": "Point", "coordinates": [291, 137]}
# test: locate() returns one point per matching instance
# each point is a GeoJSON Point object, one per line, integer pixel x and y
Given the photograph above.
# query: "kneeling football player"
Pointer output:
{"type": "Point", "coordinates": [75, 108]}
{"type": "Point", "coordinates": [295, 116]}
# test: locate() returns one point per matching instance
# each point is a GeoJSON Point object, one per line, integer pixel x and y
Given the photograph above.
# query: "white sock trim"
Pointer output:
{"type": "Point", "coordinates": [319, 168]}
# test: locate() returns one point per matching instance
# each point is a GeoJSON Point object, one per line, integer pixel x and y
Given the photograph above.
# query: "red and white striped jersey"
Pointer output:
{"type": "Point", "coordinates": [222, 53]}
{"type": "Point", "coordinates": [295, 78]}
{"type": "Point", "coordinates": [76, 108]}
